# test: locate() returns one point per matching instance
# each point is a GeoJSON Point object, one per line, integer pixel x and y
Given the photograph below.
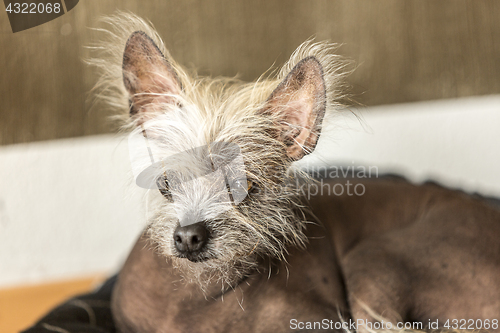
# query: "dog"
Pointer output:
{"type": "Point", "coordinates": [232, 246]}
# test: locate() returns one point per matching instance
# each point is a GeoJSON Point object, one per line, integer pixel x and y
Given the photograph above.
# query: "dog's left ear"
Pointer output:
{"type": "Point", "coordinates": [299, 104]}
{"type": "Point", "coordinates": [148, 77]}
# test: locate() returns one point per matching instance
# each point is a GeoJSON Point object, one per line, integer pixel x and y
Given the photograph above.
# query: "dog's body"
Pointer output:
{"type": "Point", "coordinates": [230, 245]}
{"type": "Point", "coordinates": [409, 253]}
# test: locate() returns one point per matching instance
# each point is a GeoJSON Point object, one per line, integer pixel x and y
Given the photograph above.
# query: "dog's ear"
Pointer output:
{"type": "Point", "coordinates": [298, 104]}
{"type": "Point", "coordinates": [148, 76]}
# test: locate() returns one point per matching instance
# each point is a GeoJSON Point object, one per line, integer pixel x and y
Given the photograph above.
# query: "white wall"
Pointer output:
{"type": "Point", "coordinates": [67, 207]}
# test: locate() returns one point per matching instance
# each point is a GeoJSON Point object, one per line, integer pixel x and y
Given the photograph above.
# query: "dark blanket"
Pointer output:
{"type": "Point", "coordinates": [87, 313]}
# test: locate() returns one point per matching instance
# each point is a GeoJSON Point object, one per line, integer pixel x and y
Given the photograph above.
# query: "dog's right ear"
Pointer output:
{"type": "Point", "coordinates": [148, 77]}
{"type": "Point", "coordinates": [298, 104]}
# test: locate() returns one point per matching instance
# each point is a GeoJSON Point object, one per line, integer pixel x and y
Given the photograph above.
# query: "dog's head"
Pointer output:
{"type": "Point", "coordinates": [218, 151]}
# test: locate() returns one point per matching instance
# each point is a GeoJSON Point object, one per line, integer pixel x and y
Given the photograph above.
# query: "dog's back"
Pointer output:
{"type": "Point", "coordinates": [415, 253]}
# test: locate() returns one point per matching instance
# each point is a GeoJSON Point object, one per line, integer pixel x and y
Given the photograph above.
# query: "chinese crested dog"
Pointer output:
{"type": "Point", "coordinates": [231, 246]}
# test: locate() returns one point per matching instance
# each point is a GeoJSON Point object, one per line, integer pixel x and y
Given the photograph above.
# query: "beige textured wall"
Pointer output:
{"type": "Point", "coordinates": [405, 50]}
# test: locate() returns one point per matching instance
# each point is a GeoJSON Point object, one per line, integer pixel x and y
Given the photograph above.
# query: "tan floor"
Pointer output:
{"type": "Point", "coordinates": [22, 306]}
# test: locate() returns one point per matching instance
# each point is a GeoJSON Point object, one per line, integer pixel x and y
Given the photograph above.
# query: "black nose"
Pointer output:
{"type": "Point", "coordinates": [190, 238]}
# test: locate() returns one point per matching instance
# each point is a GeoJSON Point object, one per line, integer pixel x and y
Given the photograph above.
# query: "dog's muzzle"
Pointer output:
{"type": "Point", "coordinates": [190, 241]}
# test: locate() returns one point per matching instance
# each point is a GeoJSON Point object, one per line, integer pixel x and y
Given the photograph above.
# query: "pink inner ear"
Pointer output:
{"type": "Point", "coordinates": [299, 104]}
{"type": "Point", "coordinates": [155, 87]}
{"type": "Point", "coordinates": [151, 92]}
{"type": "Point", "coordinates": [149, 78]}
{"type": "Point", "coordinates": [298, 122]}
{"type": "Point", "coordinates": [165, 82]}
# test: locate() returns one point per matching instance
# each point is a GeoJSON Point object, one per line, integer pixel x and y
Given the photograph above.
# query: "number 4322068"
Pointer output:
{"type": "Point", "coordinates": [471, 324]}
{"type": "Point", "coordinates": [33, 8]}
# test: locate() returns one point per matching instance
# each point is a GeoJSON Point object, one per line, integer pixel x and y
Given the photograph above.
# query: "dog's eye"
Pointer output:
{"type": "Point", "coordinates": [240, 185]}
{"type": "Point", "coordinates": [251, 187]}
{"type": "Point", "coordinates": [163, 187]}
